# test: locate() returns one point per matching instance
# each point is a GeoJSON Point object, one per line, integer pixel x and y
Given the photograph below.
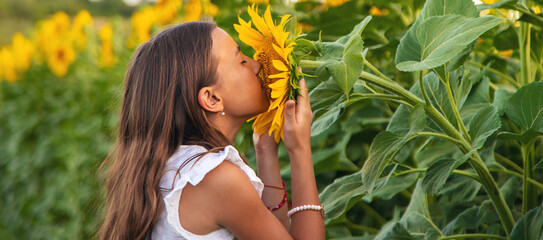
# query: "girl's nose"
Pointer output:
{"type": "Point", "coordinates": [256, 65]}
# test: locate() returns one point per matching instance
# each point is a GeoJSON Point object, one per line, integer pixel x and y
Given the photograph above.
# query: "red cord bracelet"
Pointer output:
{"type": "Point", "coordinates": [285, 197]}
{"type": "Point", "coordinates": [275, 186]}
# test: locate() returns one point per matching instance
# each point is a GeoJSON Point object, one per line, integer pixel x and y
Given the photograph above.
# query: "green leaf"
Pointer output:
{"type": "Point", "coordinates": [417, 215]}
{"type": "Point", "coordinates": [336, 196]}
{"type": "Point", "coordinates": [432, 8]}
{"type": "Point", "coordinates": [539, 165]}
{"type": "Point", "coordinates": [325, 94]}
{"type": "Point", "coordinates": [326, 117]}
{"type": "Point", "coordinates": [434, 149]}
{"type": "Point", "coordinates": [532, 18]}
{"type": "Point", "coordinates": [459, 60]}
{"type": "Point", "coordinates": [443, 7]}
{"type": "Point", "coordinates": [305, 46]}
{"type": "Point", "coordinates": [394, 231]}
{"type": "Point", "coordinates": [439, 39]}
{"type": "Point", "coordinates": [510, 190]}
{"type": "Point", "coordinates": [501, 97]}
{"type": "Point", "coordinates": [344, 66]}
{"type": "Point", "coordinates": [524, 137]}
{"type": "Point", "coordinates": [328, 103]}
{"type": "Point", "coordinates": [529, 226]}
{"type": "Point", "coordinates": [525, 107]}
{"type": "Point", "coordinates": [460, 86]}
{"type": "Point", "coordinates": [484, 123]}
{"type": "Point", "coordinates": [393, 187]}
{"type": "Point", "coordinates": [471, 218]}
{"type": "Point", "coordinates": [386, 144]}
{"type": "Point", "coordinates": [438, 173]}
{"type": "Point", "coordinates": [461, 189]}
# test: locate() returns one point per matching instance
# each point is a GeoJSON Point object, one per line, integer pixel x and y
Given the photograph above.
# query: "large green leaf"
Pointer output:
{"type": "Point", "coordinates": [392, 187]}
{"type": "Point", "coordinates": [416, 218]}
{"type": "Point", "coordinates": [439, 39]}
{"type": "Point", "coordinates": [471, 218]}
{"type": "Point", "coordinates": [325, 94]}
{"type": "Point", "coordinates": [410, 50]}
{"type": "Point", "coordinates": [438, 173]}
{"type": "Point", "coordinates": [386, 144]}
{"type": "Point", "coordinates": [443, 7]}
{"type": "Point", "coordinates": [461, 189]}
{"type": "Point", "coordinates": [529, 226]}
{"type": "Point", "coordinates": [327, 117]}
{"type": "Point", "coordinates": [434, 149]}
{"type": "Point", "coordinates": [525, 107]}
{"type": "Point", "coordinates": [501, 97]}
{"type": "Point", "coordinates": [394, 231]}
{"type": "Point", "coordinates": [328, 103]}
{"type": "Point", "coordinates": [336, 196]}
{"type": "Point", "coordinates": [484, 123]}
{"type": "Point", "coordinates": [344, 67]}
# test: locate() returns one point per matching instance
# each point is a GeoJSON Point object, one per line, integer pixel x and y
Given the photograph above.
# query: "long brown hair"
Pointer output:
{"type": "Point", "coordinates": [159, 113]}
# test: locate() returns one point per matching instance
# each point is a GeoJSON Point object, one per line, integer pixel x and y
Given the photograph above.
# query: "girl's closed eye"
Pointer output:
{"type": "Point", "coordinates": [244, 61]}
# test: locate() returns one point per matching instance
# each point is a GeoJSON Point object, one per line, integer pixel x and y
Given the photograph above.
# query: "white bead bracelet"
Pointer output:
{"type": "Point", "coordinates": [306, 207]}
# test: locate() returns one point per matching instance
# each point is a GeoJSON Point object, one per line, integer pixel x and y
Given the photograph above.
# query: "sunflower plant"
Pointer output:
{"type": "Point", "coordinates": [274, 47]}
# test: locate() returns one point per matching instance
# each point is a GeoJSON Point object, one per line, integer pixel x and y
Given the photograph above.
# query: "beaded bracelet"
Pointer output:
{"type": "Point", "coordinates": [306, 207]}
{"type": "Point", "coordinates": [285, 197]}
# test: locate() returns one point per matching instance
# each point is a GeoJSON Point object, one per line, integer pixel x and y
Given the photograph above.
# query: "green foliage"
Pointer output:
{"type": "Point", "coordinates": [451, 148]}
{"type": "Point", "coordinates": [445, 127]}
{"type": "Point", "coordinates": [529, 226]}
{"type": "Point", "coordinates": [386, 145]}
{"type": "Point", "coordinates": [343, 58]}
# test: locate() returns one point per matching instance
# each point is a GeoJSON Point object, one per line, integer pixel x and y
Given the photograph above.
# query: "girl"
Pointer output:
{"type": "Point", "coordinates": [174, 173]}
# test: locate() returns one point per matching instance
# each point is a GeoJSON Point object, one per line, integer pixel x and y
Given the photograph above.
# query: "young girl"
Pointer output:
{"type": "Point", "coordinates": [174, 173]}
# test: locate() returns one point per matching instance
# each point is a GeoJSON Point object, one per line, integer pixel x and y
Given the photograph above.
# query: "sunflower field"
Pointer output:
{"type": "Point", "coordinates": [428, 114]}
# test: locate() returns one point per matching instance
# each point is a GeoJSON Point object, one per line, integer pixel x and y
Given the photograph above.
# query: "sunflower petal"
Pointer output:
{"type": "Point", "coordinates": [279, 65]}
{"type": "Point", "coordinates": [280, 51]}
{"type": "Point", "coordinates": [259, 23]}
{"type": "Point", "coordinates": [279, 75]}
{"type": "Point", "coordinates": [279, 92]}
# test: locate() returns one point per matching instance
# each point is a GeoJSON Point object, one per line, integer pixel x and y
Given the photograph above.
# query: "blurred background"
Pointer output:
{"type": "Point", "coordinates": [62, 65]}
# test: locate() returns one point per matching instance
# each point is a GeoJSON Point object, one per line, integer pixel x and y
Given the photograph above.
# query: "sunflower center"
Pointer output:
{"type": "Point", "coordinates": [266, 57]}
{"type": "Point", "coordinates": [61, 54]}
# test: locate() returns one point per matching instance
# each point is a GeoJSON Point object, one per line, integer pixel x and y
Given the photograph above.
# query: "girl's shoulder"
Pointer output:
{"type": "Point", "coordinates": [214, 176]}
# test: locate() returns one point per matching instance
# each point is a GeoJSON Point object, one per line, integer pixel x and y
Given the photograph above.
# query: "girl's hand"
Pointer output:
{"type": "Point", "coordinates": [297, 125]}
{"type": "Point", "coordinates": [265, 143]}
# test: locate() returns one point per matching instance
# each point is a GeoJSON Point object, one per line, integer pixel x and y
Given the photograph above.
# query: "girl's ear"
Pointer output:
{"type": "Point", "coordinates": [209, 100]}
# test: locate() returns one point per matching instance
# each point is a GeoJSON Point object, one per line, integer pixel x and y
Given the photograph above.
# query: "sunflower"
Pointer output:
{"type": "Point", "coordinates": [273, 48]}
{"type": "Point", "coordinates": [61, 55]}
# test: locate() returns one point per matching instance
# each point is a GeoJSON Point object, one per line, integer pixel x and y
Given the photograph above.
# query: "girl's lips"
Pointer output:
{"type": "Point", "coordinates": [261, 81]}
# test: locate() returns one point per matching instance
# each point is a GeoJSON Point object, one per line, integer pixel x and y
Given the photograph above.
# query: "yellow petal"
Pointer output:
{"type": "Point", "coordinates": [279, 65]}
{"type": "Point", "coordinates": [279, 75]}
{"type": "Point", "coordinates": [249, 36]}
{"type": "Point", "coordinates": [258, 21]}
{"type": "Point", "coordinates": [268, 18]}
{"type": "Point", "coordinates": [279, 92]}
{"type": "Point", "coordinates": [280, 51]}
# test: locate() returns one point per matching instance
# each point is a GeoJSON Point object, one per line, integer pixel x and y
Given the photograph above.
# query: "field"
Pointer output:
{"type": "Point", "coordinates": [428, 115]}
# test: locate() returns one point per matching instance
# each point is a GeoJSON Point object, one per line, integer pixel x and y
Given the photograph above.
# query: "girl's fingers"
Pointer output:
{"type": "Point", "coordinates": [303, 89]}
{"type": "Point", "coordinates": [290, 114]}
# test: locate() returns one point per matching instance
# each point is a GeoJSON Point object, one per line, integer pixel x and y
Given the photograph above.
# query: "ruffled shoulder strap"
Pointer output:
{"type": "Point", "coordinates": [193, 173]}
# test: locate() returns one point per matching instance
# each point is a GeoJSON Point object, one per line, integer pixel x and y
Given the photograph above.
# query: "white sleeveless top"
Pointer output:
{"type": "Point", "coordinates": [168, 226]}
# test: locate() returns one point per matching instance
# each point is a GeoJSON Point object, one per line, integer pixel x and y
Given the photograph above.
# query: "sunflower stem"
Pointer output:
{"type": "Point", "coordinates": [309, 65]}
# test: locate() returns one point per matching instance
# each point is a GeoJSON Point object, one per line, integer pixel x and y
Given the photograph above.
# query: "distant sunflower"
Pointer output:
{"type": "Point", "coordinates": [61, 55]}
{"type": "Point", "coordinates": [273, 48]}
